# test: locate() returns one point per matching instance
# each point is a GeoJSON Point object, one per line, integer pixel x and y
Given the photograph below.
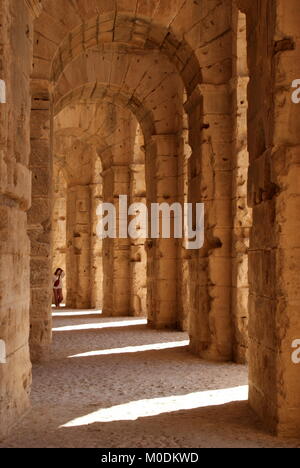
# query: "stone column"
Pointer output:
{"type": "Point", "coordinates": [210, 182]}
{"type": "Point", "coordinates": [184, 280]}
{"type": "Point", "coordinates": [96, 250]}
{"type": "Point", "coordinates": [79, 247]}
{"type": "Point", "coordinates": [138, 256]}
{"type": "Point", "coordinates": [242, 214]}
{"type": "Point", "coordinates": [274, 193]}
{"type": "Point", "coordinates": [15, 199]}
{"type": "Point", "coordinates": [116, 182]}
{"type": "Point", "coordinates": [40, 221]}
{"type": "Point", "coordinates": [198, 181]}
{"type": "Point", "coordinates": [162, 185]}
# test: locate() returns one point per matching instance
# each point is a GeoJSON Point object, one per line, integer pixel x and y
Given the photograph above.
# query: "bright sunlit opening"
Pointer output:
{"type": "Point", "coordinates": [71, 314]}
{"type": "Point", "coordinates": [134, 349]}
{"type": "Point", "coordinates": [97, 326]}
{"type": "Point", "coordinates": [145, 408]}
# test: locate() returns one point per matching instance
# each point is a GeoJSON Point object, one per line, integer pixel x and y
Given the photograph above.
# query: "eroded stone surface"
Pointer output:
{"type": "Point", "coordinates": [163, 102]}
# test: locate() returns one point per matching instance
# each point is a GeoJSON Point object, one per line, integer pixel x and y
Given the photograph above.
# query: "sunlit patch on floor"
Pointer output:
{"type": "Point", "coordinates": [145, 408]}
{"type": "Point", "coordinates": [134, 349]}
{"type": "Point", "coordinates": [83, 313]}
{"type": "Point", "coordinates": [96, 326]}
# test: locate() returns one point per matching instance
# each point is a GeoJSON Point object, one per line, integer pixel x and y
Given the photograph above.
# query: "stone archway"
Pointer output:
{"type": "Point", "coordinates": [119, 145]}
{"type": "Point", "coordinates": [162, 133]}
{"type": "Point", "coordinates": [147, 58]}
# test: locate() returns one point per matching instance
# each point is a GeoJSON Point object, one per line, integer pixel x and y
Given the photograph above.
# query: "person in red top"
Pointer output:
{"type": "Point", "coordinates": [58, 286]}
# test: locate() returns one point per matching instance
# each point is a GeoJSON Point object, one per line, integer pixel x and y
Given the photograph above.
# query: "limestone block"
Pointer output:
{"type": "Point", "coordinates": [215, 51]}
{"type": "Point", "coordinates": [263, 232]}
{"type": "Point", "coordinates": [15, 388]}
{"type": "Point", "coordinates": [240, 271]}
{"type": "Point", "coordinates": [220, 270]}
{"type": "Point", "coordinates": [40, 273]}
{"type": "Point", "coordinates": [39, 335]}
{"type": "Point", "coordinates": [41, 182]}
{"type": "Point", "coordinates": [166, 144]}
{"type": "Point", "coordinates": [165, 313]}
{"type": "Point", "coordinates": [166, 188]}
{"type": "Point", "coordinates": [216, 99]}
{"type": "Point", "coordinates": [121, 303]}
{"type": "Point", "coordinates": [260, 185]}
{"type": "Point", "coordinates": [165, 269]}
{"type": "Point", "coordinates": [16, 182]}
{"type": "Point", "coordinates": [166, 248]}
{"type": "Point", "coordinates": [240, 305]}
{"type": "Point", "coordinates": [40, 210]}
{"type": "Point", "coordinates": [218, 212]}
{"type": "Point", "coordinates": [166, 166]}
{"type": "Point", "coordinates": [288, 278]}
{"type": "Point", "coordinates": [219, 73]}
{"type": "Point", "coordinates": [220, 241]}
{"type": "Point", "coordinates": [262, 272]}
{"type": "Point", "coordinates": [40, 124]}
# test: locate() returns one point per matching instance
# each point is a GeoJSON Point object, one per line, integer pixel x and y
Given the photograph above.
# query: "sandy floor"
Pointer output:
{"type": "Point", "coordinates": [92, 393]}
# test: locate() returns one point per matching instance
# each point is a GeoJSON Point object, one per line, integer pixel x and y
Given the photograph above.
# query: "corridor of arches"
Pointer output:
{"type": "Point", "coordinates": [162, 102]}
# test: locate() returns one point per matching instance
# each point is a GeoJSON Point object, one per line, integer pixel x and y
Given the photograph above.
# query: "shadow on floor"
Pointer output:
{"type": "Point", "coordinates": [115, 392]}
{"type": "Point", "coordinates": [224, 426]}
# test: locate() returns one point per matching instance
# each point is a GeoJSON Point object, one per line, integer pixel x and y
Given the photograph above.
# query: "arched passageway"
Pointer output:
{"type": "Point", "coordinates": [101, 149]}
{"type": "Point", "coordinates": [164, 102]}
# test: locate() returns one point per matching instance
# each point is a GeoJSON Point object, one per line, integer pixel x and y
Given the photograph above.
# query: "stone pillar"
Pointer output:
{"type": "Point", "coordinates": [116, 182]}
{"type": "Point", "coordinates": [96, 250]}
{"type": "Point", "coordinates": [15, 199]}
{"type": "Point", "coordinates": [210, 182]}
{"type": "Point", "coordinates": [198, 181]}
{"type": "Point", "coordinates": [162, 187]}
{"type": "Point", "coordinates": [79, 247]}
{"type": "Point", "coordinates": [184, 280]}
{"type": "Point", "coordinates": [138, 255]}
{"type": "Point", "coordinates": [273, 192]}
{"type": "Point", "coordinates": [242, 214]}
{"type": "Point", "coordinates": [40, 222]}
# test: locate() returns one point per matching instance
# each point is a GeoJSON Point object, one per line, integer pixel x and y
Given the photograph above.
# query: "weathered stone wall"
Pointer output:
{"type": "Point", "coordinates": [242, 214]}
{"type": "Point", "coordinates": [273, 192]}
{"type": "Point", "coordinates": [16, 34]}
{"type": "Point", "coordinates": [184, 255]}
{"type": "Point", "coordinates": [39, 221]}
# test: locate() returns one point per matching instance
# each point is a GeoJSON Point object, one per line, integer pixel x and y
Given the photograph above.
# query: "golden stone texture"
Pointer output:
{"type": "Point", "coordinates": [178, 101]}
